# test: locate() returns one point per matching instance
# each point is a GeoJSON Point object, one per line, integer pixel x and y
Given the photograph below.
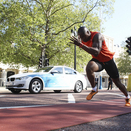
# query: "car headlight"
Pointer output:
{"type": "Point", "coordinates": [22, 78]}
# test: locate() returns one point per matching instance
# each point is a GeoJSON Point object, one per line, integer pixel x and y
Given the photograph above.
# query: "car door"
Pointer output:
{"type": "Point", "coordinates": [70, 77]}
{"type": "Point", "coordinates": [56, 78]}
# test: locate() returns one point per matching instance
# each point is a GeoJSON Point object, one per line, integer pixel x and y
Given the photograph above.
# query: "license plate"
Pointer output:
{"type": "Point", "coordinates": [10, 83]}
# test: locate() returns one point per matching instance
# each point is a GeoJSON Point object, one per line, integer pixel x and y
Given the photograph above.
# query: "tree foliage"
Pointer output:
{"type": "Point", "coordinates": [124, 63]}
{"type": "Point", "coordinates": [30, 27]}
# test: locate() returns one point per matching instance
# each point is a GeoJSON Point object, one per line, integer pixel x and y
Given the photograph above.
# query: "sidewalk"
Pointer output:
{"type": "Point", "coordinates": [3, 89]}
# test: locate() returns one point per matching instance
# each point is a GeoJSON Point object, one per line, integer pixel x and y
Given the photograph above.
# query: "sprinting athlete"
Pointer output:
{"type": "Point", "coordinates": [94, 44]}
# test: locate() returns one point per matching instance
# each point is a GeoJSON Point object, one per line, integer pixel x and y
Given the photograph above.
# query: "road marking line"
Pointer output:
{"type": "Point", "coordinates": [71, 98]}
{"type": "Point", "coordinates": [2, 95]}
{"type": "Point", "coordinates": [108, 93]}
{"type": "Point", "coordinates": [24, 106]}
{"type": "Point", "coordinates": [116, 94]}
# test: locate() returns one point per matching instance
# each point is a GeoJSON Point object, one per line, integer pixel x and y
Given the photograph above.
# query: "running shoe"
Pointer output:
{"type": "Point", "coordinates": [92, 93]}
{"type": "Point", "coordinates": [127, 102]}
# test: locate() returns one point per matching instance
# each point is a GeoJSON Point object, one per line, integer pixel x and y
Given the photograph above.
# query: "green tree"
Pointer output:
{"type": "Point", "coordinates": [124, 63]}
{"type": "Point", "coordinates": [36, 26]}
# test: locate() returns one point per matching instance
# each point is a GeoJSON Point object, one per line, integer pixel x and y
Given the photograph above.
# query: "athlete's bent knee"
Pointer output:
{"type": "Point", "coordinates": [91, 67]}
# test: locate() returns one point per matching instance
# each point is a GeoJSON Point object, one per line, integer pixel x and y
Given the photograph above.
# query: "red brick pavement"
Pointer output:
{"type": "Point", "coordinates": [59, 116]}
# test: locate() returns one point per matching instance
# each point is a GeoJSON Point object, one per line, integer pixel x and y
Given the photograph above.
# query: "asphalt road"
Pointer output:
{"type": "Point", "coordinates": [7, 99]}
{"type": "Point", "coordinates": [25, 99]}
{"type": "Point", "coordinates": [118, 123]}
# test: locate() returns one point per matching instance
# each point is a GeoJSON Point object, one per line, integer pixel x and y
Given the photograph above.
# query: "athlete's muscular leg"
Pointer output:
{"type": "Point", "coordinates": [120, 86]}
{"type": "Point", "coordinates": [90, 69]}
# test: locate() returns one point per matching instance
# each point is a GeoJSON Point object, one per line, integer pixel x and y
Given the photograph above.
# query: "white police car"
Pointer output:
{"type": "Point", "coordinates": [54, 78]}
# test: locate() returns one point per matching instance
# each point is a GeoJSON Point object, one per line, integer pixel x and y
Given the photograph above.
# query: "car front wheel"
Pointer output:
{"type": "Point", "coordinates": [35, 86]}
{"type": "Point", "coordinates": [78, 87]}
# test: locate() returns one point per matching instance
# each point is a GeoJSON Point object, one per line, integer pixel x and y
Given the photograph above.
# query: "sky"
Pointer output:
{"type": "Point", "coordinates": [119, 26]}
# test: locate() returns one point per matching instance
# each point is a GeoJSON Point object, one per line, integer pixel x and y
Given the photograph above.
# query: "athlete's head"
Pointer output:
{"type": "Point", "coordinates": [84, 34]}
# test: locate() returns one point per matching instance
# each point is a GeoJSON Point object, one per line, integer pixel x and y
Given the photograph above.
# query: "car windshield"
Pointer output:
{"type": "Point", "coordinates": [45, 69]}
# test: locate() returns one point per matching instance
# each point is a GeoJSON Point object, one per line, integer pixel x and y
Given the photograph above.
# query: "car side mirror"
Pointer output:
{"type": "Point", "coordinates": [54, 71]}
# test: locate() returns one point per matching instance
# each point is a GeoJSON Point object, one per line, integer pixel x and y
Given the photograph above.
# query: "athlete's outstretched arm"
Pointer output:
{"type": "Point", "coordinates": [96, 46]}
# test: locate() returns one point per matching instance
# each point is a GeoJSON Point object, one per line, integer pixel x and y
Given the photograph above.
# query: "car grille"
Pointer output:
{"type": "Point", "coordinates": [10, 79]}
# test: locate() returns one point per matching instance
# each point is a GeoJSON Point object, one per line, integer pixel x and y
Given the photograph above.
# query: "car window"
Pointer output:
{"type": "Point", "coordinates": [70, 71]}
{"type": "Point", "coordinates": [59, 70]}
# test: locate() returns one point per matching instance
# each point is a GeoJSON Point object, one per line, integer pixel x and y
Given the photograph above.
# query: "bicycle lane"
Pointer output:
{"type": "Point", "coordinates": [53, 117]}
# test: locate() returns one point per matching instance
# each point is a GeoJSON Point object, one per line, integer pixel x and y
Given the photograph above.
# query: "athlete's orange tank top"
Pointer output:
{"type": "Point", "coordinates": [104, 55]}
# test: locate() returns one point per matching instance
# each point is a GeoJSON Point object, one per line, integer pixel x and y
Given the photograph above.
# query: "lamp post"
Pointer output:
{"type": "Point", "coordinates": [73, 33]}
{"type": "Point", "coordinates": [100, 87]}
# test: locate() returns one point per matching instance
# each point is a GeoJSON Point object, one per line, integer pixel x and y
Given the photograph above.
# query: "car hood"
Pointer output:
{"type": "Point", "coordinates": [27, 74]}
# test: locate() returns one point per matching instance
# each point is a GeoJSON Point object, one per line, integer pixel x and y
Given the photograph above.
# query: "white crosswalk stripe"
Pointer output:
{"type": "Point", "coordinates": [71, 98]}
